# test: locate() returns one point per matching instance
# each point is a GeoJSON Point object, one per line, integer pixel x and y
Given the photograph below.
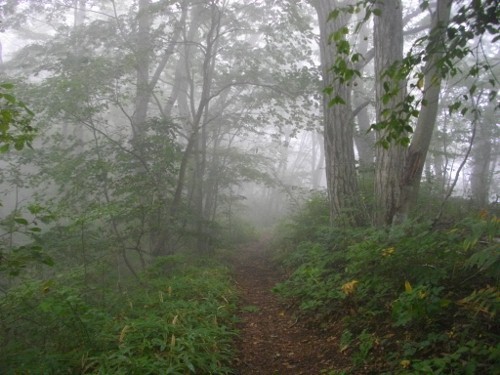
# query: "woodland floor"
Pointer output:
{"type": "Point", "coordinates": [272, 339]}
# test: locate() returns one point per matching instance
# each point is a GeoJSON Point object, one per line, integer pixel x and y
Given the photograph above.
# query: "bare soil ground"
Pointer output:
{"type": "Point", "coordinates": [272, 340]}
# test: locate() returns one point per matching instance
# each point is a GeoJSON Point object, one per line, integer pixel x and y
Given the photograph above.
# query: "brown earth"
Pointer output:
{"type": "Point", "coordinates": [272, 339]}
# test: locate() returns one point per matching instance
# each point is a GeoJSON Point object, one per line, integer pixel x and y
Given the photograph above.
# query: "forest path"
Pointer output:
{"type": "Point", "coordinates": [272, 341]}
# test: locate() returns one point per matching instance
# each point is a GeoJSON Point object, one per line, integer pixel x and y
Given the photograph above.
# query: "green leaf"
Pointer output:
{"type": "Point", "coordinates": [7, 86]}
{"type": "Point", "coordinates": [21, 220]}
{"type": "Point", "coordinates": [454, 107]}
{"type": "Point", "coordinates": [10, 98]}
{"type": "Point", "coordinates": [47, 218]}
{"type": "Point", "coordinates": [48, 261]}
{"type": "Point", "coordinates": [356, 57]}
{"type": "Point", "coordinates": [336, 100]}
{"type": "Point", "coordinates": [333, 14]}
{"type": "Point", "coordinates": [19, 145]}
{"type": "Point", "coordinates": [328, 90]}
{"type": "Point", "coordinates": [35, 208]}
{"type": "Point", "coordinates": [405, 141]}
{"type": "Point", "coordinates": [343, 47]}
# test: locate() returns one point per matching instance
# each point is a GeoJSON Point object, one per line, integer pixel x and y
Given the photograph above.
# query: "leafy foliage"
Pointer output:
{"type": "Point", "coordinates": [472, 24]}
{"type": "Point", "coordinates": [27, 248]}
{"type": "Point", "coordinates": [406, 295]}
{"type": "Point", "coordinates": [178, 320]}
{"type": "Point", "coordinates": [15, 121]}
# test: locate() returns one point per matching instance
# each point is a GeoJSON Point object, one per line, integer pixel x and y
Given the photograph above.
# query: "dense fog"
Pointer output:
{"type": "Point", "coordinates": [134, 130]}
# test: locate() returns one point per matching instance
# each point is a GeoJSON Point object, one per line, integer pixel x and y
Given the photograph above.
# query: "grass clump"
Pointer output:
{"type": "Point", "coordinates": [177, 320]}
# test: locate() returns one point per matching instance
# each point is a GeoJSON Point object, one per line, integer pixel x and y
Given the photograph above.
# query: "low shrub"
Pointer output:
{"type": "Point", "coordinates": [177, 320]}
{"type": "Point", "coordinates": [413, 300]}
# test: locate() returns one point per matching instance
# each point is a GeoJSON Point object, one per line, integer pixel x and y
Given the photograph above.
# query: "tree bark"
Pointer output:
{"type": "Point", "coordinates": [388, 40]}
{"type": "Point", "coordinates": [142, 62]}
{"type": "Point", "coordinates": [482, 153]}
{"type": "Point", "coordinates": [79, 13]}
{"type": "Point", "coordinates": [341, 175]}
{"type": "Point", "coordinates": [364, 139]}
{"type": "Point", "coordinates": [365, 142]}
{"type": "Point", "coordinates": [318, 159]}
{"type": "Point", "coordinates": [426, 121]}
{"type": "Point", "coordinates": [196, 126]}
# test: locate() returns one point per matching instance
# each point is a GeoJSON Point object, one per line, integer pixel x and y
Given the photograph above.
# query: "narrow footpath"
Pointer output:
{"type": "Point", "coordinates": [272, 340]}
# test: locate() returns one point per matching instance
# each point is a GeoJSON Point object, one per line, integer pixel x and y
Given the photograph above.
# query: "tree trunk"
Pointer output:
{"type": "Point", "coordinates": [144, 83]}
{"type": "Point", "coordinates": [364, 139]}
{"type": "Point", "coordinates": [142, 61]}
{"type": "Point", "coordinates": [341, 175]}
{"type": "Point", "coordinates": [482, 151]}
{"type": "Point", "coordinates": [201, 120]}
{"type": "Point", "coordinates": [421, 140]}
{"type": "Point", "coordinates": [196, 126]}
{"type": "Point", "coordinates": [318, 159]}
{"type": "Point", "coordinates": [79, 13]}
{"type": "Point", "coordinates": [388, 39]}
{"type": "Point", "coordinates": [365, 142]}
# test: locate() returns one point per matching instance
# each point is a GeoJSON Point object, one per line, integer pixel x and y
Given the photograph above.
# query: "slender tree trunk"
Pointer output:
{"type": "Point", "coordinates": [364, 139]}
{"type": "Point", "coordinates": [145, 83]}
{"type": "Point", "coordinates": [179, 93]}
{"type": "Point", "coordinates": [318, 159]}
{"type": "Point", "coordinates": [421, 140]}
{"type": "Point", "coordinates": [365, 142]}
{"type": "Point", "coordinates": [482, 151]}
{"type": "Point", "coordinates": [142, 62]}
{"type": "Point", "coordinates": [197, 132]}
{"type": "Point", "coordinates": [80, 12]}
{"type": "Point", "coordinates": [201, 121]}
{"type": "Point", "coordinates": [75, 130]}
{"type": "Point", "coordinates": [215, 162]}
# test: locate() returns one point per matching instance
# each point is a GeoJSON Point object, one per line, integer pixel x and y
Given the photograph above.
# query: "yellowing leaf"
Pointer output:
{"type": "Point", "coordinates": [483, 214]}
{"type": "Point", "coordinates": [174, 321]}
{"type": "Point", "coordinates": [408, 287]}
{"type": "Point", "coordinates": [172, 341]}
{"type": "Point", "coordinates": [405, 363]}
{"type": "Point", "coordinates": [389, 251]}
{"type": "Point", "coordinates": [123, 333]}
{"type": "Point", "coordinates": [349, 287]}
{"type": "Point", "coordinates": [47, 285]}
{"type": "Point", "coordinates": [420, 83]}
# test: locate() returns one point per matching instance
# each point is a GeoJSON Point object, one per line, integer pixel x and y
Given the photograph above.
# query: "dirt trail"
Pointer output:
{"type": "Point", "coordinates": [272, 341]}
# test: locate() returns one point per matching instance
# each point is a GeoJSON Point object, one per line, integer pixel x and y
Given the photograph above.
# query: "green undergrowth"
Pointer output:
{"type": "Point", "coordinates": [176, 320]}
{"type": "Point", "coordinates": [413, 300]}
